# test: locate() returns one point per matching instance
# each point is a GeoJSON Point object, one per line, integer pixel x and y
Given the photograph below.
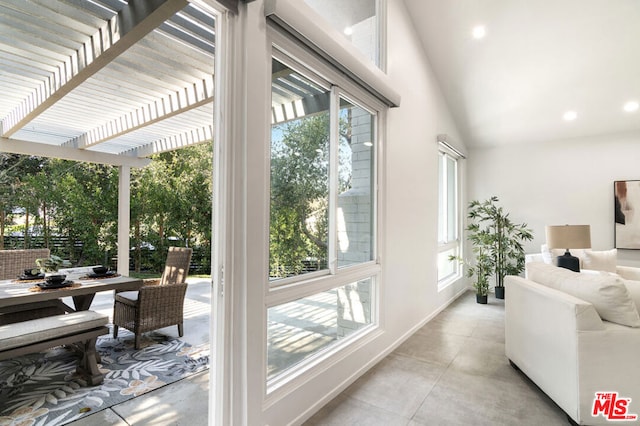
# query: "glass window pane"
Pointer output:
{"type": "Point", "coordinates": [300, 329]}
{"type": "Point", "coordinates": [446, 267]}
{"type": "Point", "coordinates": [356, 20]}
{"type": "Point", "coordinates": [452, 198]}
{"type": "Point", "coordinates": [298, 241]}
{"type": "Point", "coordinates": [442, 218]}
{"type": "Point", "coordinates": [355, 180]}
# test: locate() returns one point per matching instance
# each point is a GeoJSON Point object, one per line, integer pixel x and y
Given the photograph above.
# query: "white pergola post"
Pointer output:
{"type": "Point", "coordinates": [124, 219]}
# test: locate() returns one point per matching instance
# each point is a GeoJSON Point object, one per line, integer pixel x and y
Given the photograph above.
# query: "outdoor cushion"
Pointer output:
{"type": "Point", "coordinates": [42, 329]}
{"type": "Point", "coordinates": [128, 296]}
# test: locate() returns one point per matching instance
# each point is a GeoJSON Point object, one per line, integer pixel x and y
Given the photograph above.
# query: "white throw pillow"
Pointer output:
{"type": "Point", "coordinates": [547, 257]}
{"type": "Point", "coordinates": [606, 292]}
{"type": "Point", "coordinates": [605, 260]}
{"type": "Point", "coordinates": [634, 290]}
{"type": "Point", "coordinates": [609, 296]}
{"type": "Point", "coordinates": [548, 275]}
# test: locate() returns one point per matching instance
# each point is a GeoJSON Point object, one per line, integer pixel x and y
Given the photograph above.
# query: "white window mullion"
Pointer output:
{"type": "Point", "coordinates": [334, 129]}
{"type": "Point", "coordinates": [449, 222]}
{"type": "Point", "coordinates": [456, 214]}
{"type": "Point", "coordinates": [375, 196]}
{"type": "Point", "coordinates": [445, 199]}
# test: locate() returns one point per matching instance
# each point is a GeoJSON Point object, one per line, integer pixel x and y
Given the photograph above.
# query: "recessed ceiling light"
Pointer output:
{"type": "Point", "coordinates": [570, 115]}
{"type": "Point", "coordinates": [348, 31]}
{"type": "Point", "coordinates": [368, 144]}
{"type": "Point", "coordinates": [479, 32]}
{"type": "Point", "coordinates": [631, 106]}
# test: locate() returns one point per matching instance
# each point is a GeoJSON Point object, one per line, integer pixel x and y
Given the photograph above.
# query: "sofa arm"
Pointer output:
{"type": "Point", "coordinates": [608, 359]}
{"type": "Point", "coordinates": [628, 272]}
{"type": "Point", "coordinates": [541, 337]}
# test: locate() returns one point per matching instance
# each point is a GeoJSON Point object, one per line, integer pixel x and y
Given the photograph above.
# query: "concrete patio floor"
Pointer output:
{"type": "Point", "coordinates": [179, 403]}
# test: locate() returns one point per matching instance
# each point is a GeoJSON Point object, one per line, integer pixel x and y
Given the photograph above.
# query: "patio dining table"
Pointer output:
{"type": "Point", "coordinates": [20, 295]}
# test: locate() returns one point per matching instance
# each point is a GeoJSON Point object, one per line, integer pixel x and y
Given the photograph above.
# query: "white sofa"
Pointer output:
{"type": "Point", "coordinates": [563, 344]}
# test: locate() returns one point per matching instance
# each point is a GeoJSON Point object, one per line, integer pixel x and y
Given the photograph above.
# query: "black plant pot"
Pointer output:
{"type": "Point", "coordinates": [482, 299]}
{"type": "Point", "coordinates": [499, 292]}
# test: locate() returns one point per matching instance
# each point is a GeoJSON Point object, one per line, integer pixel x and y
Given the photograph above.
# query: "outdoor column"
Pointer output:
{"type": "Point", "coordinates": [124, 202]}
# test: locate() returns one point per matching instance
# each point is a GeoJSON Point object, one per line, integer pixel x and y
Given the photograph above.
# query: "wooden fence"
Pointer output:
{"type": "Point", "coordinates": [150, 260]}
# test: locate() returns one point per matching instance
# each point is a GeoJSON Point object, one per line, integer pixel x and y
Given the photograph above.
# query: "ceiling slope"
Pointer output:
{"type": "Point", "coordinates": [538, 60]}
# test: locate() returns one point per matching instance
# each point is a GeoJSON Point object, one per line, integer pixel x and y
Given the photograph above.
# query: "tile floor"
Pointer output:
{"type": "Point", "coordinates": [453, 371]}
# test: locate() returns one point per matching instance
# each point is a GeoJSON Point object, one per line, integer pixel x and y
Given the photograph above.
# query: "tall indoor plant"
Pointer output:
{"type": "Point", "coordinates": [500, 238]}
{"type": "Point", "coordinates": [481, 265]}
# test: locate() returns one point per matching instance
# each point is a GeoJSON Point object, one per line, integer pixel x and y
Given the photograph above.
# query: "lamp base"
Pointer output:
{"type": "Point", "coordinates": [568, 261]}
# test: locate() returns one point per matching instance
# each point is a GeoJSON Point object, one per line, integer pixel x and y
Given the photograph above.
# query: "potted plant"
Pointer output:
{"type": "Point", "coordinates": [51, 264]}
{"type": "Point", "coordinates": [482, 265]}
{"type": "Point", "coordinates": [501, 238]}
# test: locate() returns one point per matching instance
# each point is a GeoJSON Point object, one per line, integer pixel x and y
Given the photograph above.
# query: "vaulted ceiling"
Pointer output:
{"type": "Point", "coordinates": [538, 60]}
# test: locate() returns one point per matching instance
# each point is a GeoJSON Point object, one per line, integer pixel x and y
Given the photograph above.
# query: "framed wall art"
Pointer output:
{"type": "Point", "coordinates": [626, 196]}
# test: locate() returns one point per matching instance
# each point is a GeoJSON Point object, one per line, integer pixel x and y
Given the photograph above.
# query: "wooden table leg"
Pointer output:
{"type": "Point", "coordinates": [83, 302]}
{"type": "Point", "coordinates": [88, 366]}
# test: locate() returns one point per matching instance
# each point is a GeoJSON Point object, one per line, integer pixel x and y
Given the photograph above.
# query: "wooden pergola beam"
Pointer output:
{"type": "Point", "coordinates": [170, 143]}
{"type": "Point", "coordinates": [16, 146]}
{"type": "Point", "coordinates": [131, 24]}
{"type": "Point", "coordinates": [177, 103]}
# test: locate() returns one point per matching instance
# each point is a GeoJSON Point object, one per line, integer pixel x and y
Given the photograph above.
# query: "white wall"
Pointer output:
{"type": "Point", "coordinates": [411, 184]}
{"type": "Point", "coordinates": [560, 182]}
{"type": "Point", "coordinates": [409, 295]}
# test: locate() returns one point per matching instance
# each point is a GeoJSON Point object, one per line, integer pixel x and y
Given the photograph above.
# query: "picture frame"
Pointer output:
{"type": "Point", "coordinates": [626, 198]}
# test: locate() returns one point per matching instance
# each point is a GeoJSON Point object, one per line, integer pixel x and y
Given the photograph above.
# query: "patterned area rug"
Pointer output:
{"type": "Point", "coordinates": [43, 389]}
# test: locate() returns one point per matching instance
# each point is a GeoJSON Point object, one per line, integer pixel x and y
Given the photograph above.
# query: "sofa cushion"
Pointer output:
{"type": "Point", "coordinates": [605, 260]}
{"type": "Point", "coordinates": [608, 293]}
{"type": "Point", "coordinates": [547, 256]}
{"type": "Point", "coordinates": [602, 260]}
{"type": "Point", "coordinates": [606, 273]}
{"type": "Point", "coordinates": [549, 275]}
{"type": "Point", "coordinates": [633, 287]}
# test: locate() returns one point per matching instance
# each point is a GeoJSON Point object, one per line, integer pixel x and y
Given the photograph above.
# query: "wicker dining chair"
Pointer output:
{"type": "Point", "coordinates": [12, 265]}
{"type": "Point", "coordinates": [14, 262]}
{"type": "Point", "coordinates": [158, 303]}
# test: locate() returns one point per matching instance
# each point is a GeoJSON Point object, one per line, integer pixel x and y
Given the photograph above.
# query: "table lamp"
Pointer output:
{"type": "Point", "coordinates": [569, 237]}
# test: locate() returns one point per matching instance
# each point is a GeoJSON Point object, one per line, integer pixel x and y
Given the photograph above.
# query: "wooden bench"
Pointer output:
{"type": "Point", "coordinates": [81, 328]}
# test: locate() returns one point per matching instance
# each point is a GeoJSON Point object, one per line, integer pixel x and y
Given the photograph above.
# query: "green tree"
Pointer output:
{"type": "Point", "coordinates": [81, 205]}
{"type": "Point", "coordinates": [77, 203]}
{"type": "Point", "coordinates": [172, 202]}
{"type": "Point", "coordinates": [8, 183]}
{"type": "Point", "coordinates": [299, 222]}
{"type": "Point", "coordinates": [299, 195]}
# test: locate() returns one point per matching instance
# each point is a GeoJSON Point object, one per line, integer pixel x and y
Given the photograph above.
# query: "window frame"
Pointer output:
{"type": "Point", "coordinates": [380, 8]}
{"type": "Point", "coordinates": [448, 243]}
{"type": "Point", "coordinates": [353, 95]}
{"type": "Point", "coordinates": [285, 290]}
